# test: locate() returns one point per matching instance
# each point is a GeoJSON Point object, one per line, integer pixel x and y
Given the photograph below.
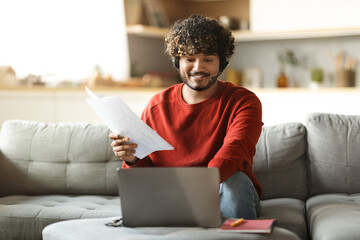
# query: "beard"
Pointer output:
{"type": "Point", "coordinates": [199, 88]}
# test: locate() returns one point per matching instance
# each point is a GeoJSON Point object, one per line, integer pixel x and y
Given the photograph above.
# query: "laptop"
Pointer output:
{"type": "Point", "coordinates": [170, 197]}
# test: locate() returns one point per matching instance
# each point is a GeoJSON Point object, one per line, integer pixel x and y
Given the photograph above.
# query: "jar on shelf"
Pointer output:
{"type": "Point", "coordinates": [282, 80]}
{"type": "Point", "coordinates": [285, 57]}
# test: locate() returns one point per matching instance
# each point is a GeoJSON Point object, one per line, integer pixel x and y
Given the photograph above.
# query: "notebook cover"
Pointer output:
{"type": "Point", "coordinates": [249, 226]}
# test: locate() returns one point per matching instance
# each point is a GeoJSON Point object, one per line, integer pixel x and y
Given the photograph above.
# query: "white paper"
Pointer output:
{"type": "Point", "coordinates": [123, 121]}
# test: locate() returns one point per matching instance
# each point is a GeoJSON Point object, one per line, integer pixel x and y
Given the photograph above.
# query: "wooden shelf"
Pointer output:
{"type": "Point", "coordinates": [146, 31]}
{"type": "Point", "coordinates": [243, 36]}
{"type": "Point", "coordinates": [247, 36]}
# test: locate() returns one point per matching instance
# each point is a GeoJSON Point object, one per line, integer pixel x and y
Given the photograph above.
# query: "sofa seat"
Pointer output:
{"type": "Point", "coordinates": [334, 216]}
{"type": "Point", "coordinates": [88, 229]}
{"type": "Point", "coordinates": [289, 213]}
{"type": "Point", "coordinates": [24, 217]}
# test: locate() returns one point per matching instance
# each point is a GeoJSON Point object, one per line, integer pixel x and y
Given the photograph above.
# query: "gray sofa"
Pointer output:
{"type": "Point", "coordinates": [52, 172]}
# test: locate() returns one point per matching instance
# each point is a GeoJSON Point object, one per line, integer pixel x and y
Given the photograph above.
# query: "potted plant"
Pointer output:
{"type": "Point", "coordinates": [317, 76]}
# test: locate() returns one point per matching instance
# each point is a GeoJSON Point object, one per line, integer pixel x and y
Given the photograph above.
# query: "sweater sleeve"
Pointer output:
{"type": "Point", "coordinates": [242, 134]}
{"type": "Point", "coordinates": [145, 162]}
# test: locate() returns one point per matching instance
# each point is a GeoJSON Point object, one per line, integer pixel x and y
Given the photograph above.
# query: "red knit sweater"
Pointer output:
{"type": "Point", "coordinates": [221, 131]}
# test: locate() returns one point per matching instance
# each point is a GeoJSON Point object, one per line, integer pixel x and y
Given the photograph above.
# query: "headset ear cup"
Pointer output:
{"type": "Point", "coordinates": [176, 62]}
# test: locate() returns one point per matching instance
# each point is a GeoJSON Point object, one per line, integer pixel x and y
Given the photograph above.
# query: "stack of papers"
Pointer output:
{"type": "Point", "coordinates": [123, 121]}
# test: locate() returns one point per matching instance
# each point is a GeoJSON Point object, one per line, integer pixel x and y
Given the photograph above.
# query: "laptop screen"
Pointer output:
{"type": "Point", "coordinates": [180, 197]}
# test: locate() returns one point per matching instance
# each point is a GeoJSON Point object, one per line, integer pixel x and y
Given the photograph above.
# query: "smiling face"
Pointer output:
{"type": "Point", "coordinates": [199, 71]}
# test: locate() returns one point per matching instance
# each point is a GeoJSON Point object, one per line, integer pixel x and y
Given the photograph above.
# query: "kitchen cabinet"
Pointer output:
{"type": "Point", "coordinates": [284, 15]}
{"type": "Point", "coordinates": [141, 11]}
{"type": "Point", "coordinates": [64, 105]}
{"type": "Point", "coordinates": [69, 105]}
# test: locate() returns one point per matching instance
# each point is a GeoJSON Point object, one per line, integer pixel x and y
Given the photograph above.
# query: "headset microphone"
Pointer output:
{"type": "Point", "coordinates": [213, 80]}
{"type": "Point", "coordinates": [216, 76]}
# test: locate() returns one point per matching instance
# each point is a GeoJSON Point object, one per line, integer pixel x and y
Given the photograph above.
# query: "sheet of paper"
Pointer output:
{"type": "Point", "coordinates": [122, 120]}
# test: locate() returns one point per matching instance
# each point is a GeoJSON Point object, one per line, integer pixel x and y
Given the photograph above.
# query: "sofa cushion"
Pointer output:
{"type": "Point", "coordinates": [64, 158]}
{"type": "Point", "coordinates": [334, 153]}
{"type": "Point", "coordinates": [334, 216]}
{"type": "Point", "coordinates": [289, 213]}
{"type": "Point", "coordinates": [95, 229]}
{"type": "Point", "coordinates": [24, 217]}
{"type": "Point", "coordinates": [279, 162]}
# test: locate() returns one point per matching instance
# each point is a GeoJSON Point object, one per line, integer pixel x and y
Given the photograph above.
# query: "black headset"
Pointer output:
{"type": "Point", "coordinates": [223, 64]}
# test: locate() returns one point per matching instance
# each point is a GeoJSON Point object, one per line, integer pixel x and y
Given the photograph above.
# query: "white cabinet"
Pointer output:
{"type": "Point", "coordinates": [62, 105]}
{"type": "Point", "coordinates": [285, 15]}
{"type": "Point", "coordinates": [279, 106]}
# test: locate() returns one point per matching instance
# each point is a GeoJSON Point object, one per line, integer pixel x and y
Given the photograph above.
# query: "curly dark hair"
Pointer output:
{"type": "Point", "coordinates": [199, 34]}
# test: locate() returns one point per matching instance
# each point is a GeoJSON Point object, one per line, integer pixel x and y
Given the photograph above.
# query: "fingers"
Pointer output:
{"type": "Point", "coordinates": [122, 148]}
{"type": "Point", "coordinates": [118, 147]}
{"type": "Point", "coordinates": [127, 156]}
{"type": "Point", "coordinates": [124, 142]}
{"type": "Point", "coordinates": [114, 136]}
{"type": "Point", "coordinates": [119, 139]}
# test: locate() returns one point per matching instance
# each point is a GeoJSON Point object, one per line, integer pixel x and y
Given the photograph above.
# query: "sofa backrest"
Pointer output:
{"type": "Point", "coordinates": [76, 158]}
{"type": "Point", "coordinates": [334, 153]}
{"type": "Point", "coordinates": [67, 158]}
{"type": "Point", "coordinates": [280, 161]}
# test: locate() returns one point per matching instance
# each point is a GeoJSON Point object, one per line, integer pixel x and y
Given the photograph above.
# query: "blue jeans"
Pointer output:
{"type": "Point", "coordinates": [238, 197]}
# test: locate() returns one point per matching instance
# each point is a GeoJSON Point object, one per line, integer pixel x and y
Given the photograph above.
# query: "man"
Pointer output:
{"type": "Point", "coordinates": [209, 122]}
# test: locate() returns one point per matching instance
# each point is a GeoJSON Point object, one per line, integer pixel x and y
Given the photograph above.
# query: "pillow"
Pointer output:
{"type": "Point", "coordinates": [64, 158]}
{"type": "Point", "coordinates": [334, 153]}
{"type": "Point", "coordinates": [279, 162]}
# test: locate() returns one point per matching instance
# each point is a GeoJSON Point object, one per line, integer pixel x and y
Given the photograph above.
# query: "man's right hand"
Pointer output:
{"type": "Point", "coordinates": [123, 149]}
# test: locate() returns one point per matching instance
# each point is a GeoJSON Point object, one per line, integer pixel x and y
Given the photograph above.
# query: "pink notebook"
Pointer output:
{"type": "Point", "coordinates": [249, 226]}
